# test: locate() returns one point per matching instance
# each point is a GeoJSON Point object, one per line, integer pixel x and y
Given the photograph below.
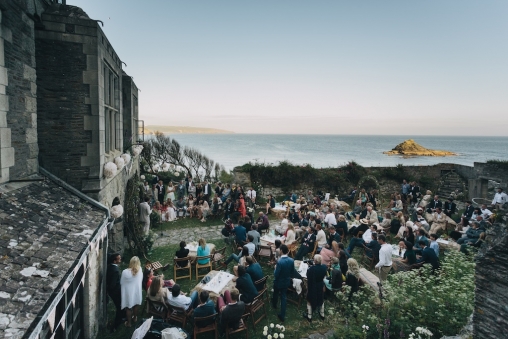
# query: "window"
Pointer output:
{"type": "Point", "coordinates": [112, 136]}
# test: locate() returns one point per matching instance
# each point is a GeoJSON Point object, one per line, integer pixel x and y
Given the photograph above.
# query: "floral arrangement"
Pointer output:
{"type": "Point", "coordinates": [116, 211]}
{"type": "Point", "coordinates": [136, 150]}
{"type": "Point", "coordinates": [126, 158]}
{"type": "Point", "coordinates": [422, 331]}
{"type": "Point", "coordinates": [120, 163]}
{"type": "Point", "coordinates": [165, 167]}
{"type": "Point", "coordinates": [110, 169]}
{"type": "Point", "coordinates": [142, 177]}
{"type": "Point", "coordinates": [177, 174]}
{"type": "Point", "coordinates": [274, 331]}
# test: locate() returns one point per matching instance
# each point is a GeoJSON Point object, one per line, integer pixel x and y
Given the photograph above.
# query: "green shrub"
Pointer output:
{"type": "Point", "coordinates": [502, 164]}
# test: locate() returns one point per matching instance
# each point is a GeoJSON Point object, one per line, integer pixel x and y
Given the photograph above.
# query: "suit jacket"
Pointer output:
{"type": "Point", "coordinates": [209, 189]}
{"type": "Point", "coordinates": [434, 204]}
{"type": "Point", "coordinates": [232, 314]}
{"type": "Point", "coordinates": [429, 256]}
{"type": "Point", "coordinates": [204, 310]}
{"type": "Point", "coordinates": [469, 211]}
{"type": "Point", "coordinates": [331, 238]}
{"type": "Point", "coordinates": [375, 247]}
{"type": "Point", "coordinates": [450, 206]}
{"type": "Point", "coordinates": [284, 270]}
{"type": "Point", "coordinates": [113, 279]}
{"type": "Point", "coordinates": [421, 237]}
{"type": "Point", "coordinates": [144, 212]}
{"type": "Point", "coordinates": [246, 286]}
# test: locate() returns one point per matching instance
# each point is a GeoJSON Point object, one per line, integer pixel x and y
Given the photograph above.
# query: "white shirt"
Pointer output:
{"type": "Point", "coordinates": [180, 301]}
{"type": "Point", "coordinates": [367, 236]}
{"type": "Point", "coordinates": [385, 256]}
{"type": "Point", "coordinates": [321, 238]}
{"type": "Point", "coordinates": [330, 219]}
{"type": "Point", "coordinates": [500, 198]}
{"type": "Point", "coordinates": [486, 213]}
{"type": "Point", "coordinates": [290, 237]}
{"type": "Point", "coordinates": [251, 194]}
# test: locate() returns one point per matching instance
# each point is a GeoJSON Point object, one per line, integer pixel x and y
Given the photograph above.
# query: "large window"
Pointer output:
{"type": "Point", "coordinates": [111, 110]}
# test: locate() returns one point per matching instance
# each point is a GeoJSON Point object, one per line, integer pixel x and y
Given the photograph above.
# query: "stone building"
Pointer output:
{"type": "Point", "coordinates": [67, 111]}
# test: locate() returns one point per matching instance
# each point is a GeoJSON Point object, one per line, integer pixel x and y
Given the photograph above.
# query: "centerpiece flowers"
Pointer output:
{"type": "Point", "coordinates": [274, 331]}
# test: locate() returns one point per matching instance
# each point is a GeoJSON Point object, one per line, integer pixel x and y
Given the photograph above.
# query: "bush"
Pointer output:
{"type": "Point", "coordinates": [397, 173]}
{"type": "Point", "coordinates": [501, 164]}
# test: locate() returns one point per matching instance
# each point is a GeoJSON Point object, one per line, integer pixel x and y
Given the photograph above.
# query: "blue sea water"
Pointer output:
{"type": "Point", "coordinates": [233, 150]}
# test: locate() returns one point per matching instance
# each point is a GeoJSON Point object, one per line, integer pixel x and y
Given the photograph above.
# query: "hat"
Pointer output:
{"type": "Point", "coordinates": [364, 221]}
{"type": "Point", "coordinates": [419, 209]}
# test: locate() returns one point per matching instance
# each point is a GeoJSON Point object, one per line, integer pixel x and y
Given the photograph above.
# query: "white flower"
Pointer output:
{"type": "Point", "coordinates": [269, 337]}
{"type": "Point", "coordinates": [277, 326]}
{"type": "Point", "coordinates": [116, 211]}
{"type": "Point", "coordinates": [265, 328]}
{"type": "Point", "coordinates": [136, 150]}
{"type": "Point", "coordinates": [275, 335]}
{"type": "Point", "coordinates": [119, 163]}
{"type": "Point", "coordinates": [363, 326]}
{"type": "Point", "coordinates": [272, 325]}
{"type": "Point", "coordinates": [142, 177]}
{"type": "Point", "coordinates": [110, 170]}
{"type": "Point", "coordinates": [282, 328]}
{"type": "Point", "coordinates": [281, 336]}
{"type": "Point", "coordinates": [126, 157]}
{"type": "Point", "coordinates": [177, 174]}
{"type": "Point", "coordinates": [265, 332]}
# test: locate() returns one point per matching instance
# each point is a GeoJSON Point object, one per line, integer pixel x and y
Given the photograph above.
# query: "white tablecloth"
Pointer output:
{"type": "Point", "coordinates": [217, 283]}
{"type": "Point", "coordinates": [270, 238]}
{"type": "Point", "coordinates": [301, 268]}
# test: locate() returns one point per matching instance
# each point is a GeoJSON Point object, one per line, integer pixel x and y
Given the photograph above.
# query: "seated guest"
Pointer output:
{"type": "Point", "coordinates": [438, 221]}
{"type": "Point", "coordinates": [333, 280]}
{"type": "Point", "coordinates": [294, 217]}
{"type": "Point", "coordinates": [342, 225]}
{"type": "Point", "coordinates": [421, 236]}
{"type": "Point", "coordinates": [328, 254]}
{"type": "Point", "coordinates": [179, 299]}
{"type": "Point", "coordinates": [404, 264]}
{"type": "Point", "coordinates": [320, 238]}
{"type": "Point", "coordinates": [182, 253]}
{"type": "Point", "coordinates": [343, 248]}
{"type": "Point", "coordinates": [205, 308]}
{"type": "Point", "coordinates": [371, 214]}
{"type": "Point", "coordinates": [282, 228]}
{"type": "Point", "coordinates": [468, 211]}
{"type": "Point", "coordinates": [420, 220]}
{"type": "Point", "coordinates": [332, 236]}
{"type": "Point", "coordinates": [450, 207]}
{"type": "Point", "coordinates": [230, 309]}
{"type": "Point", "coordinates": [428, 256]}
{"type": "Point", "coordinates": [240, 233]}
{"type": "Point", "coordinates": [290, 235]}
{"type": "Point", "coordinates": [315, 289]}
{"type": "Point", "coordinates": [181, 209]}
{"type": "Point", "coordinates": [262, 222]}
{"type": "Point", "coordinates": [398, 204]}
{"type": "Point", "coordinates": [408, 234]}
{"type": "Point", "coordinates": [464, 248]}
{"type": "Point", "coordinates": [373, 247]}
{"type": "Point", "coordinates": [307, 245]}
{"type": "Point", "coordinates": [364, 225]}
{"type": "Point", "coordinates": [357, 210]}
{"type": "Point", "coordinates": [343, 261]}
{"type": "Point", "coordinates": [247, 222]}
{"type": "Point", "coordinates": [248, 249]}
{"type": "Point", "coordinates": [433, 243]}
{"type": "Point", "coordinates": [270, 203]}
{"type": "Point", "coordinates": [486, 213]}
{"type": "Point", "coordinates": [203, 250]}
{"type": "Point", "coordinates": [255, 271]}
{"type": "Point", "coordinates": [245, 285]}
{"type": "Point", "coordinates": [434, 204]}
{"type": "Point", "coordinates": [330, 219]}
{"type": "Point", "coordinates": [460, 230]}
{"type": "Point", "coordinates": [157, 292]}
{"type": "Point", "coordinates": [356, 241]}
{"type": "Point", "coordinates": [386, 223]}
{"type": "Point", "coordinates": [147, 278]}
{"type": "Point", "coordinates": [229, 208]}
{"type": "Point", "coordinates": [255, 235]}
{"type": "Point", "coordinates": [352, 276]}
{"type": "Point", "coordinates": [472, 234]}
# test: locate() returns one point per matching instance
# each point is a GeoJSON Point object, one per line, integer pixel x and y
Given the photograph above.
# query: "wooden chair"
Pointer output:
{"type": "Point", "coordinates": [265, 251]}
{"type": "Point", "coordinates": [263, 281]}
{"type": "Point", "coordinates": [177, 267]}
{"type": "Point", "coordinates": [370, 261]}
{"type": "Point", "coordinates": [241, 328]}
{"type": "Point", "coordinates": [208, 265]}
{"type": "Point", "coordinates": [313, 251]}
{"type": "Point", "coordinates": [256, 305]}
{"type": "Point", "coordinates": [157, 309]}
{"type": "Point", "coordinates": [298, 297]}
{"type": "Point", "coordinates": [218, 257]}
{"type": "Point", "coordinates": [293, 248]}
{"type": "Point", "coordinates": [208, 328]}
{"type": "Point", "coordinates": [179, 315]}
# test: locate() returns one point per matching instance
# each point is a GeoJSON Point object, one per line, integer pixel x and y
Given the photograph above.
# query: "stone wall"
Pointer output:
{"type": "Point", "coordinates": [490, 317]}
{"type": "Point", "coordinates": [18, 106]}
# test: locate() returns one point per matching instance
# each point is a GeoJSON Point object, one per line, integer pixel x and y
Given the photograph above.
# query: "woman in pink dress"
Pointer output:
{"type": "Point", "coordinates": [328, 254]}
{"type": "Point", "coordinates": [241, 206]}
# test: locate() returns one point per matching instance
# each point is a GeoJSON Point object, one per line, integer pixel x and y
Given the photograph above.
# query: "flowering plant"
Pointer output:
{"type": "Point", "coordinates": [274, 331]}
{"type": "Point", "coordinates": [422, 333]}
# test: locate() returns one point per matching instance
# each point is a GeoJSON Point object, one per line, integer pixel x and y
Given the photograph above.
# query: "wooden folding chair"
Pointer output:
{"type": "Point", "coordinates": [218, 257]}
{"type": "Point", "coordinates": [207, 328]}
{"type": "Point", "coordinates": [208, 265]}
{"type": "Point", "coordinates": [370, 261]}
{"type": "Point", "coordinates": [253, 307]}
{"type": "Point", "coordinates": [177, 268]}
{"type": "Point", "coordinates": [157, 309]}
{"type": "Point", "coordinates": [298, 297]}
{"type": "Point", "coordinates": [265, 251]}
{"type": "Point", "coordinates": [241, 328]}
{"type": "Point", "coordinates": [179, 315]}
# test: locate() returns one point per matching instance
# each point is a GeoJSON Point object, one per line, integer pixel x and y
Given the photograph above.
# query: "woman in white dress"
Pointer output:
{"type": "Point", "coordinates": [171, 212]}
{"type": "Point", "coordinates": [131, 282]}
{"type": "Point", "coordinates": [170, 192]}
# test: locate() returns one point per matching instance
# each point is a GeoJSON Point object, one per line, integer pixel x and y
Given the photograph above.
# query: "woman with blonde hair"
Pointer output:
{"type": "Point", "coordinates": [402, 228]}
{"type": "Point", "coordinates": [203, 250]}
{"type": "Point", "coordinates": [353, 276]}
{"type": "Point", "coordinates": [157, 292]}
{"type": "Point", "coordinates": [290, 234]}
{"type": "Point", "coordinates": [131, 282]}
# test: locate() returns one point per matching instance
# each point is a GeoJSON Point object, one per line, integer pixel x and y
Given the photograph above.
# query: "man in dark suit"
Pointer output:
{"type": "Point", "coordinates": [160, 191]}
{"type": "Point", "coordinates": [332, 236]}
{"type": "Point", "coordinates": [428, 256]}
{"type": "Point", "coordinates": [431, 207]}
{"type": "Point", "coordinates": [113, 287]}
{"type": "Point", "coordinates": [414, 192]}
{"type": "Point", "coordinates": [207, 191]}
{"type": "Point", "coordinates": [205, 308]}
{"type": "Point", "coordinates": [468, 212]}
{"type": "Point", "coordinates": [284, 271]}
{"type": "Point", "coordinates": [230, 309]}
{"type": "Point", "coordinates": [450, 207]}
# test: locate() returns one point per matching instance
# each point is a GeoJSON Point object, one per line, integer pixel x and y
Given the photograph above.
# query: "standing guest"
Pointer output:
{"type": "Point", "coordinates": [255, 235]}
{"type": "Point", "coordinates": [182, 253]}
{"type": "Point", "coordinates": [219, 189]}
{"type": "Point", "coordinates": [414, 192]}
{"type": "Point", "coordinates": [113, 287]}
{"type": "Point", "coordinates": [181, 190]}
{"type": "Point", "coordinates": [315, 289]}
{"type": "Point", "coordinates": [500, 198]}
{"type": "Point", "coordinates": [160, 192]}
{"type": "Point", "coordinates": [240, 233]}
{"type": "Point", "coordinates": [450, 207]}
{"type": "Point", "coordinates": [205, 308]}
{"type": "Point", "coordinates": [251, 196]}
{"type": "Point", "coordinates": [179, 299]}
{"type": "Point", "coordinates": [170, 191]}
{"type": "Point", "coordinates": [405, 189]}
{"type": "Point", "coordinates": [203, 251]}
{"type": "Point", "coordinates": [404, 264]}
{"type": "Point", "coordinates": [352, 276]}
{"type": "Point", "coordinates": [241, 206]}
{"type": "Point", "coordinates": [270, 204]}
{"type": "Point", "coordinates": [284, 271]}
{"type": "Point", "coordinates": [262, 222]}
{"type": "Point", "coordinates": [155, 179]}
{"type": "Point", "coordinates": [131, 281]}
{"type": "Point", "coordinates": [231, 309]}
{"type": "Point", "coordinates": [146, 189]}
{"type": "Point", "coordinates": [207, 191]}
{"type": "Point", "coordinates": [226, 193]}
{"type": "Point", "coordinates": [385, 258]}
{"type": "Point", "coordinates": [245, 285]}
{"type": "Point", "coordinates": [144, 215]}
{"type": "Point", "coordinates": [428, 256]}
{"type": "Point", "coordinates": [308, 241]}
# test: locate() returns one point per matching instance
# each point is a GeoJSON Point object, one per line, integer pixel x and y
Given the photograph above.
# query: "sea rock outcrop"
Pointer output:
{"type": "Point", "coordinates": [412, 149]}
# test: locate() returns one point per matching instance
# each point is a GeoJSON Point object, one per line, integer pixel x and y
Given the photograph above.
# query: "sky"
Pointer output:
{"type": "Point", "coordinates": [310, 67]}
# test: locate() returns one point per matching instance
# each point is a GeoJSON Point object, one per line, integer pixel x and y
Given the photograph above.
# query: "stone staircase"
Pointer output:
{"type": "Point", "coordinates": [449, 183]}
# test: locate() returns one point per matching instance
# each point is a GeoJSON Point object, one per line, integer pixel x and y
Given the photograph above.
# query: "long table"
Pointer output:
{"type": "Point", "coordinates": [219, 283]}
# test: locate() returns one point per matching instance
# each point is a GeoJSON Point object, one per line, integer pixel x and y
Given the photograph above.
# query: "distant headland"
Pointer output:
{"type": "Point", "coordinates": [410, 148]}
{"type": "Point", "coordinates": [149, 129]}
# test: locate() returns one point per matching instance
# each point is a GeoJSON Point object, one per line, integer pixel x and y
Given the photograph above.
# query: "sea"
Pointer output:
{"type": "Point", "coordinates": [322, 151]}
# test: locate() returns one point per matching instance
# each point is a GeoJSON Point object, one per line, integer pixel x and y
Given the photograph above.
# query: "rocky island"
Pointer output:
{"type": "Point", "coordinates": [410, 148]}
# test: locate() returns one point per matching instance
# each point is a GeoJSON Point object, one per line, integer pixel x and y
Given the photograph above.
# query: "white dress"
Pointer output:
{"type": "Point", "coordinates": [171, 214]}
{"type": "Point", "coordinates": [170, 193]}
{"type": "Point", "coordinates": [131, 288]}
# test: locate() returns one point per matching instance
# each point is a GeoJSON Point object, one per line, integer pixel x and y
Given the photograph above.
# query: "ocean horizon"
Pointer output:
{"type": "Point", "coordinates": [327, 150]}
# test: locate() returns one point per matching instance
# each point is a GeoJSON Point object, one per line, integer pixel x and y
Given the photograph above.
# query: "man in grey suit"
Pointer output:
{"type": "Point", "coordinates": [284, 271]}
{"type": "Point", "coordinates": [144, 215]}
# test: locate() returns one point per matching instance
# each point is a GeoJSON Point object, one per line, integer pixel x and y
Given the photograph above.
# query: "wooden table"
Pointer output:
{"type": "Point", "coordinates": [230, 285]}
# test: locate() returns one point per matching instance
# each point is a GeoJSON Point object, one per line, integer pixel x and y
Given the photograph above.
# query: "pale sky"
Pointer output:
{"type": "Point", "coordinates": [334, 67]}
